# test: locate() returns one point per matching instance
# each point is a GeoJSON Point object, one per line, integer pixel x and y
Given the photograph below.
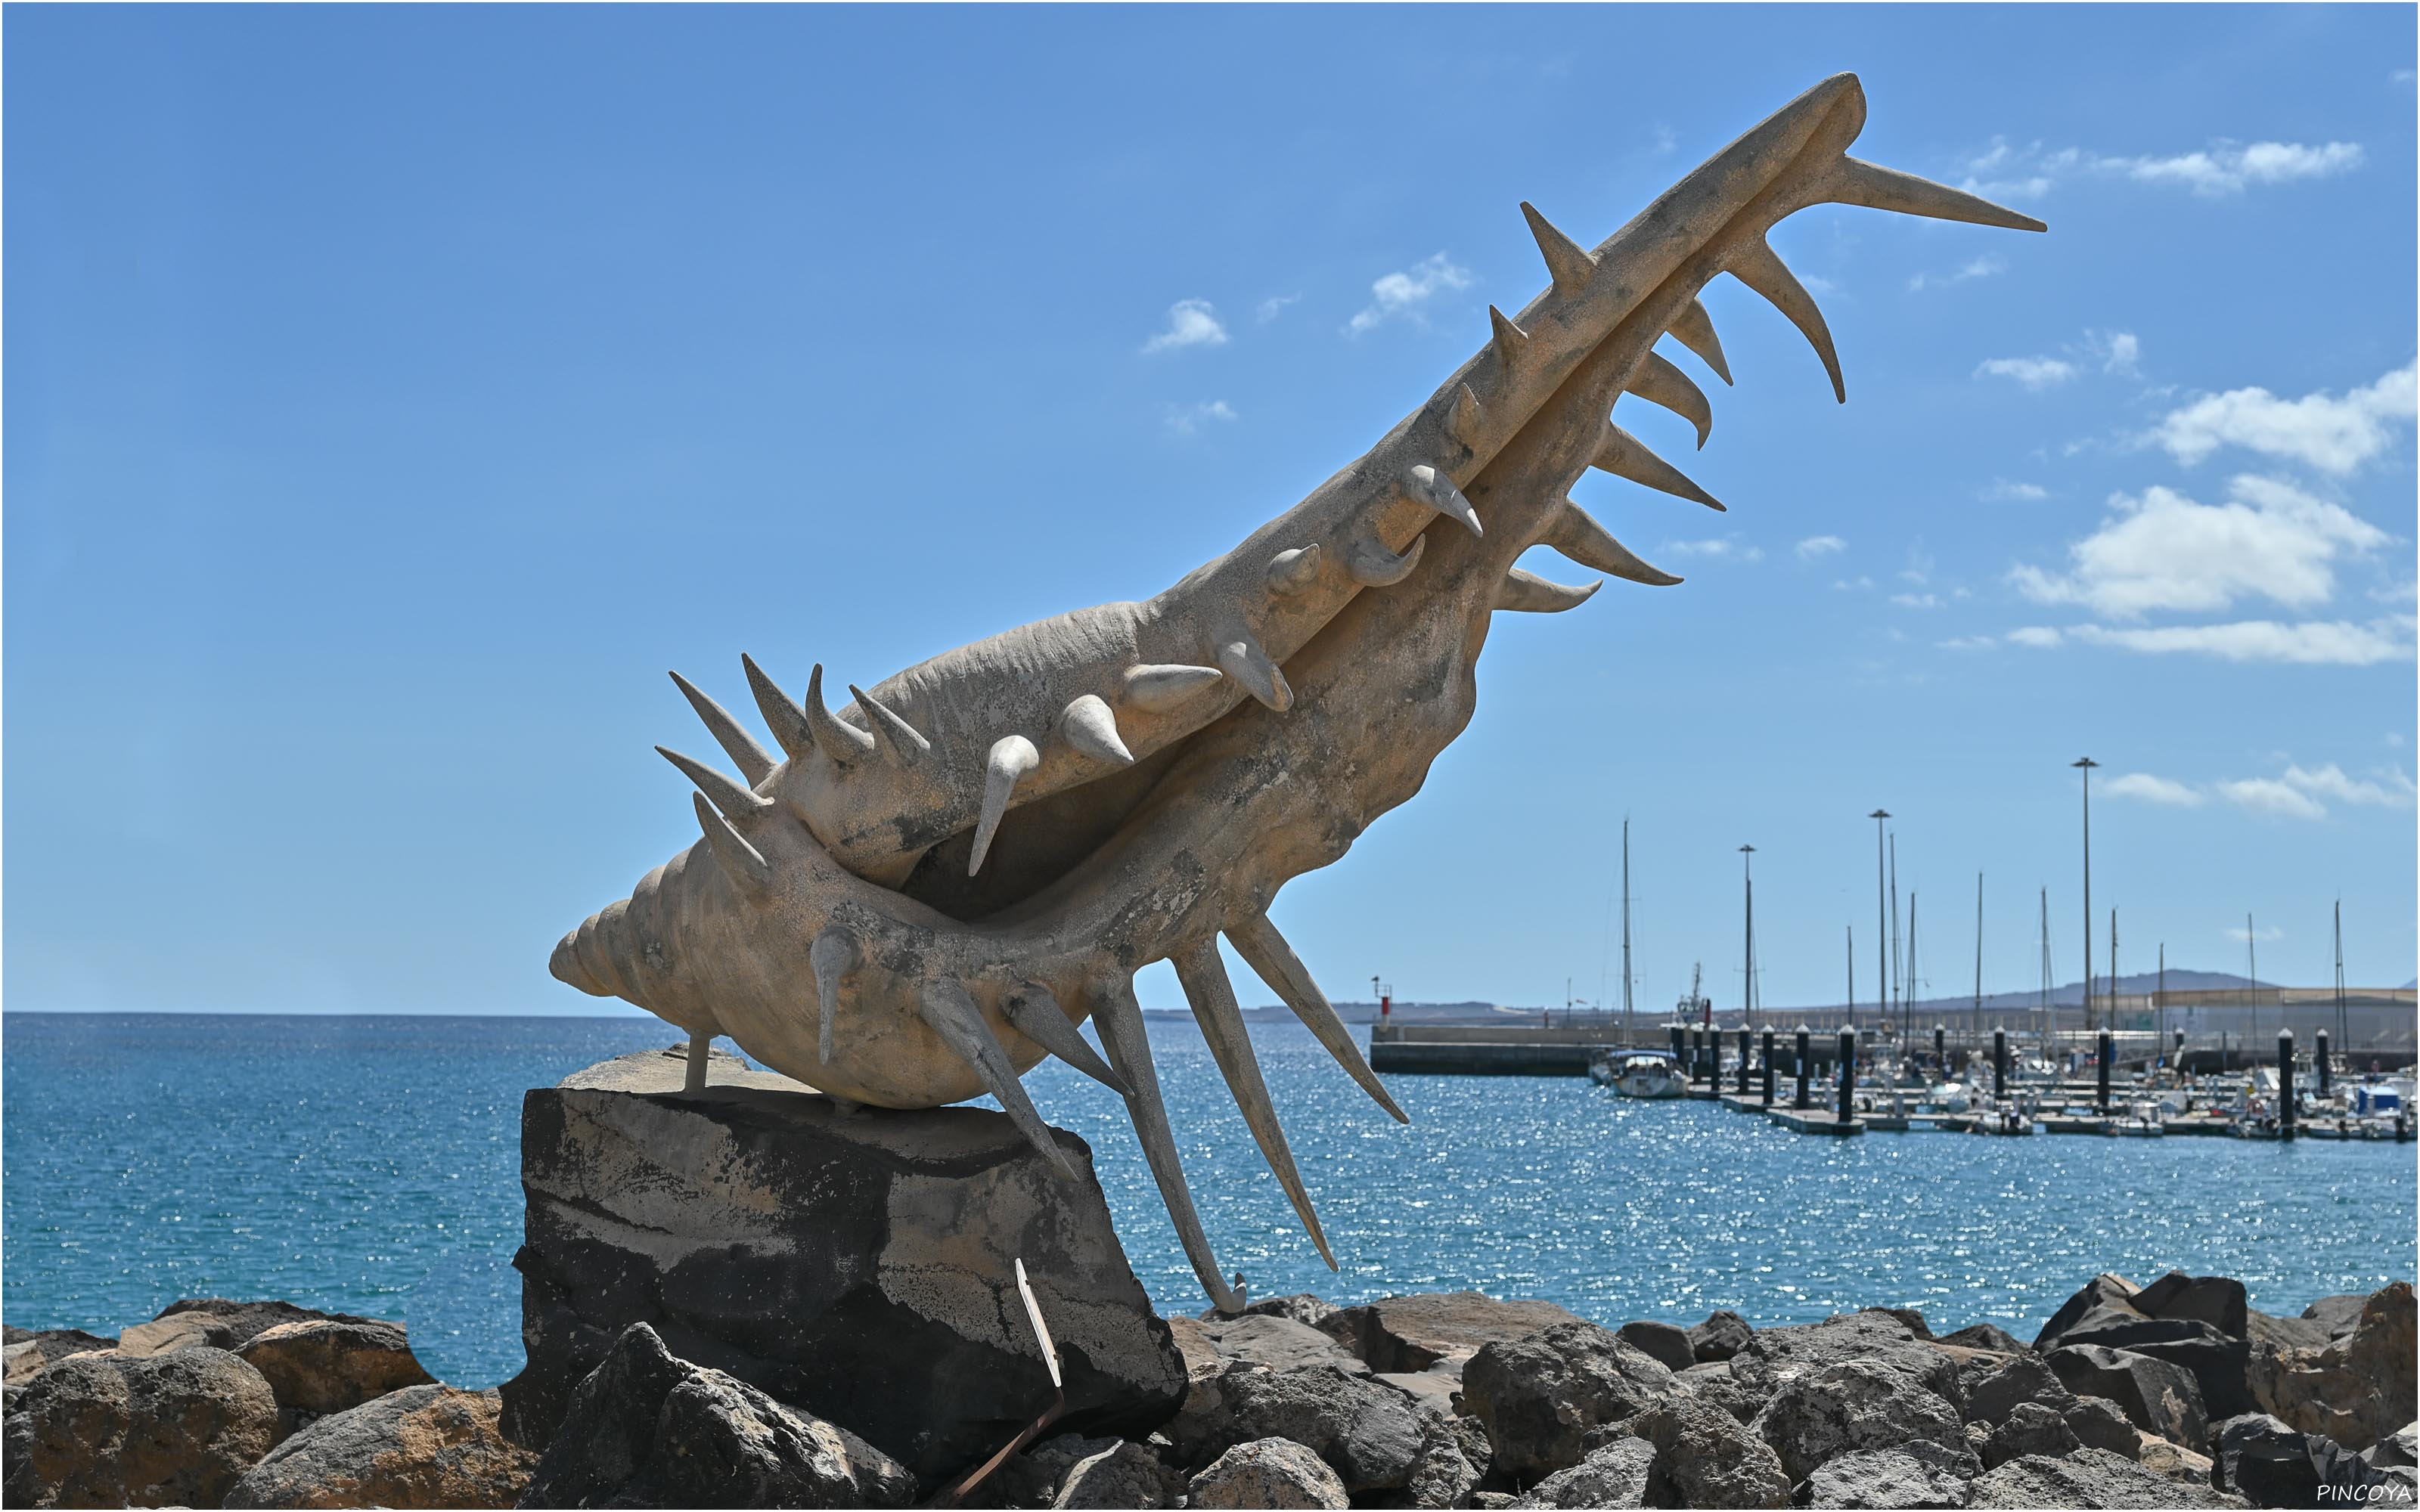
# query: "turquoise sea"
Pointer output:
{"type": "Point", "coordinates": [370, 1164]}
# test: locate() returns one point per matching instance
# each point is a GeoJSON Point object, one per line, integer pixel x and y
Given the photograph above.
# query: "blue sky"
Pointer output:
{"type": "Point", "coordinates": [393, 395]}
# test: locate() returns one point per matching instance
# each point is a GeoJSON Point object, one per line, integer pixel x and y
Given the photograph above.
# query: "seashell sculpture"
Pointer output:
{"type": "Point", "coordinates": [926, 892]}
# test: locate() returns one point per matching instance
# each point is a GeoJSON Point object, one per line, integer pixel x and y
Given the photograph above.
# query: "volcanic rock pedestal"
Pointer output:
{"type": "Point", "coordinates": [857, 1263]}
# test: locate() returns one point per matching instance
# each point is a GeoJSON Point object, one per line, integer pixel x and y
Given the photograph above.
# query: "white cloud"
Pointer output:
{"type": "Point", "coordinates": [2228, 170]}
{"type": "Point", "coordinates": [1915, 601]}
{"type": "Point", "coordinates": [2310, 643]}
{"type": "Point", "coordinates": [1404, 293]}
{"type": "Point", "coordinates": [1852, 585]}
{"type": "Point", "coordinates": [2243, 936]}
{"type": "Point", "coordinates": [1187, 420]}
{"type": "Point", "coordinates": [1720, 548]}
{"type": "Point", "coordinates": [1967, 642]}
{"type": "Point", "coordinates": [2004, 491]}
{"type": "Point", "coordinates": [2330, 781]}
{"type": "Point", "coordinates": [2040, 637]}
{"type": "Point", "coordinates": [2118, 351]}
{"type": "Point", "coordinates": [2331, 433]}
{"type": "Point", "coordinates": [2151, 789]}
{"type": "Point", "coordinates": [1983, 267]}
{"type": "Point", "coordinates": [2005, 171]}
{"type": "Point", "coordinates": [2269, 796]}
{"type": "Point", "coordinates": [1819, 546]}
{"type": "Point", "coordinates": [1190, 323]}
{"type": "Point", "coordinates": [2164, 552]}
{"type": "Point", "coordinates": [2034, 373]}
{"type": "Point", "coordinates": [1271, 308]}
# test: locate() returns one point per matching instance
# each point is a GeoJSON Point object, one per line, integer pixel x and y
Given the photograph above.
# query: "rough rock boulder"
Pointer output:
{"type": "Point", "coordinates": [856, 1265]}
{"type": "Point", "coordinates": [322, 1366]}
{"type": "Point", "coordinates": [2086, 1479]}
{"type": "Point", "coordinates": [648, 1430]}
{"type": "Point", "coordinates": [2357, 1389]}
{"type": "Point", "coordinates": [1853, 1405]}
{"type": "Point", "coordinates": [1404, 1334]}
{"type": "Point", "coordinates": [422, 1446]}
{"type": "Point", "coordinates": [116, 1430]}
{"type": "Point", "coordinates": [1541, 1395]}
{"type": "Point", "coordinates": [1266, 1472]}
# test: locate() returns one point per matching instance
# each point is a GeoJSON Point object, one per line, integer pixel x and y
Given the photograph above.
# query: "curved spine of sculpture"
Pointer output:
{"type": "Point", "coordinates": [927, 892]}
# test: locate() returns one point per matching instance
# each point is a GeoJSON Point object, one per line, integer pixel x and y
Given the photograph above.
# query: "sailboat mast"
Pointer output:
{"type": "Point", "coordinates": [2112, 976]}
{"type": "Point", "coordinates": [1627, 1036]}
{"type": "Point", "coordinates": [1907, 1003]}
{"type": "Point", "coordinates": [1897, 990]}
{"type": "Point", "coordinates": [1979, 956]}
{"type": "Point", "coordinates": [2041, 1003]}
{"type": "Point", "coordinates": [2341, 1026]}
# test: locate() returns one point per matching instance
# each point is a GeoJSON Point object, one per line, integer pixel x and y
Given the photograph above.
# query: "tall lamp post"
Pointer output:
{"type": "Point", "coordinates": [2086, 764]}
{"type": "Point", "coordinates": [1881, 918]}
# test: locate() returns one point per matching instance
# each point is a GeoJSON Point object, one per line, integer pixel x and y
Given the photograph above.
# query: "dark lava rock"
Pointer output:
{"type": "Point", "coordinates": [2086, 1479]}
{"type": "Point", "coordinates": [1986, 1336]}
{"type": "Point", "coordinates": [1663, 1342]}
{"type": "Point", "coordinates": [1714, 1383]}
{"type": "Point", "coordinates": [1916, 1474]}
{"type": "Point", "coordinates": [27, 1354]}
{"type": "Point", "coordinates": [2273, 1465]}
{"type": "Point", "coordinates": [1123, 1474]}
{"type": "Point", "coordinates": [858, 1268]}
{"type": "Point", "coordinates": [218, 1323]}
{"type": "Point", "coordinates": [2030, 1428]}
{"type": "Point", "coordinates": [2158, 1398]}
{"type": "Point", "coordinates": [648, 1429]}
{"type": "Point", "coordinates": [1615, 1475]}
{"type": "Point", "coordinates": [1705, 1457]}
{"type": "Point", "coordinates": [2097, 1423]}
{"type": "Point", "coordinates": [2216, 1300]}
{"type": "Point", "coordinates": [1300, 1307]}
{"type": "Point", "coordinates": [2402, 1447]}
{"type": "Point", "coordinates": [1776, 1355]}
{"type": "Point", "coordinates": [1265, 1472]}
{"type": "Point", "coordinates": [2021, 1379]}
{"type": "Point", "coordinates": [1370, 1434]}
{"type": "Point", "coordinates": [422, 1446]}
{"type": "Point", "coordinates": [2356, 1389]}
{"type": "Point", "coordinates": [1541, 1395]}
{"type": "Point", "coordinates": [2104, 1293]}
{"type": "Point", "coordinates": [1857, 1404]}
{"type": "Point", "coordinates": [1276, 1341]}
{"type": "Point", "coordinates": [323, 1365]}
{"type": "Point", "coordinates": [2337, 1315]}
{"type": "Point", "coordinates": [1720, 1336]}
{"type": "Point", "coordinates": [1404, 1335]}
{"type": "Point", "coordinates": [114, 1430]}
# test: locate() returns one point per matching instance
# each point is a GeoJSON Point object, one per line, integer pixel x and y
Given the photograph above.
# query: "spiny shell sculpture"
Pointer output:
{"type": "Point", "coordinates": [931, 888]}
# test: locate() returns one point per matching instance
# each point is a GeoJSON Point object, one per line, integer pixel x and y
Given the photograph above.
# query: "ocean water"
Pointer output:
{"type": "Point", "coordinates": [370, 1164]}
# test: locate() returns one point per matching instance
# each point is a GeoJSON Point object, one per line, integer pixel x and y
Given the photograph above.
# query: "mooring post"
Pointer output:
{"type": "Point", "coordinates": [1768, 1067]}
{"type": "Point", "coordinates": [2319, 1059]}
{"type": "Point", "coordinates": [700, 1044]}
{"type": "Point", "coordinates": [1680, 1049]}
{"type": "Point", "coordinates": [1999, 1064]}
{"type": "Point", "coordinates": [1848, 1073]}
{"type": "Point", "coordinates": [2102, 1047]}
{"type": "Point", "coordinates": [1802, 1057]}
{"type": "Point", "coordinates": [1941, 1049]}
{"type": "Point", "coordinates": [2176, 1062]}
{"type": "Point", "coordinates": [1743, 1075]}
{"type": "Point", "coordinates": [2285, 1084]}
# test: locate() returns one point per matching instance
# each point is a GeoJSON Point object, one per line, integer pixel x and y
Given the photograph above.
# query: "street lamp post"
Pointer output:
{"type": "Point", "coordinates": [2086, 764]}
{"type": "Point", "coordinates": [1882, 917]}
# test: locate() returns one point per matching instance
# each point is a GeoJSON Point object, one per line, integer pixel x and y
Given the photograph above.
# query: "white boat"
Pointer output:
{"type": "Point", "coordinates": [2142, 1121]}
{"type": "Point", "coordinates": [1641, 1074]}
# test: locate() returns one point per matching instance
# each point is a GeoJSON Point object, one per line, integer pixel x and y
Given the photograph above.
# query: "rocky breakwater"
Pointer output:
{"type": "Point", "coordinates": [852, 1268]}
{"type": "Point", "coordinates": [247, 1404]}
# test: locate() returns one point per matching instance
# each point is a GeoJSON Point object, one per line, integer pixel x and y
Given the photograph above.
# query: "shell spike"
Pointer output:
{"type": "Point", "coordinates": [1855, 181]}
{"type": "Point", "coordinates": [787, 721]}
{"type": "Point", "coordinates": [1574, 532]}
{"type": "Point", "coordinates": [1240, 656]}
{"type": "Point", "coordinates": [1695, 329]}
{"type": "Point", "coordinates": [833, 958]}
{"type": "Point", "coordinates": [1119, 1017]}
{"type": "Point", "coordinates": [1203, 976]}
{"type": "Point", "coordinates": [900, 741]}
{"type": "Point", "coordinates": [740, 861]}
{"type": "Point", "coordinates": [736, 743]}
{"type": "Point", "coordinates": [1088, 724]}
{"type": "Point", "coordinates": [1528, 593]}
{"type": "Point", "coordinates": [1510, 340]}
{"type": "Point", "coordinates": [1429, 485]}
{"type": "Point", "coordinates": [1034, 1012]}
{"type": "Point", "coordinates": [1266, 950]}
{"type": "Point", "coordinates": [1625, 456]}
{"type": "Point", "coordinates": [735, 800]}
{"type": "Point", "coordinates": [1011, 758]}
{"type": "Point", "coordinates": [1659, 382]}
{"type": "Point", "coordinates": [1756, 266]}
{"type": "Point", "coordinates": [1292, 572]}
{"type": "Point", "coordinates": [945, 1007]}
{"type": "Point", "coordinates": [844, 743]}
{"type": "Point", "coordinates": [1155, 687]}
{"type": "Point", "coordinates": [1371, 565]}
{"type": "Point", "coordinates": [1568, 263]}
